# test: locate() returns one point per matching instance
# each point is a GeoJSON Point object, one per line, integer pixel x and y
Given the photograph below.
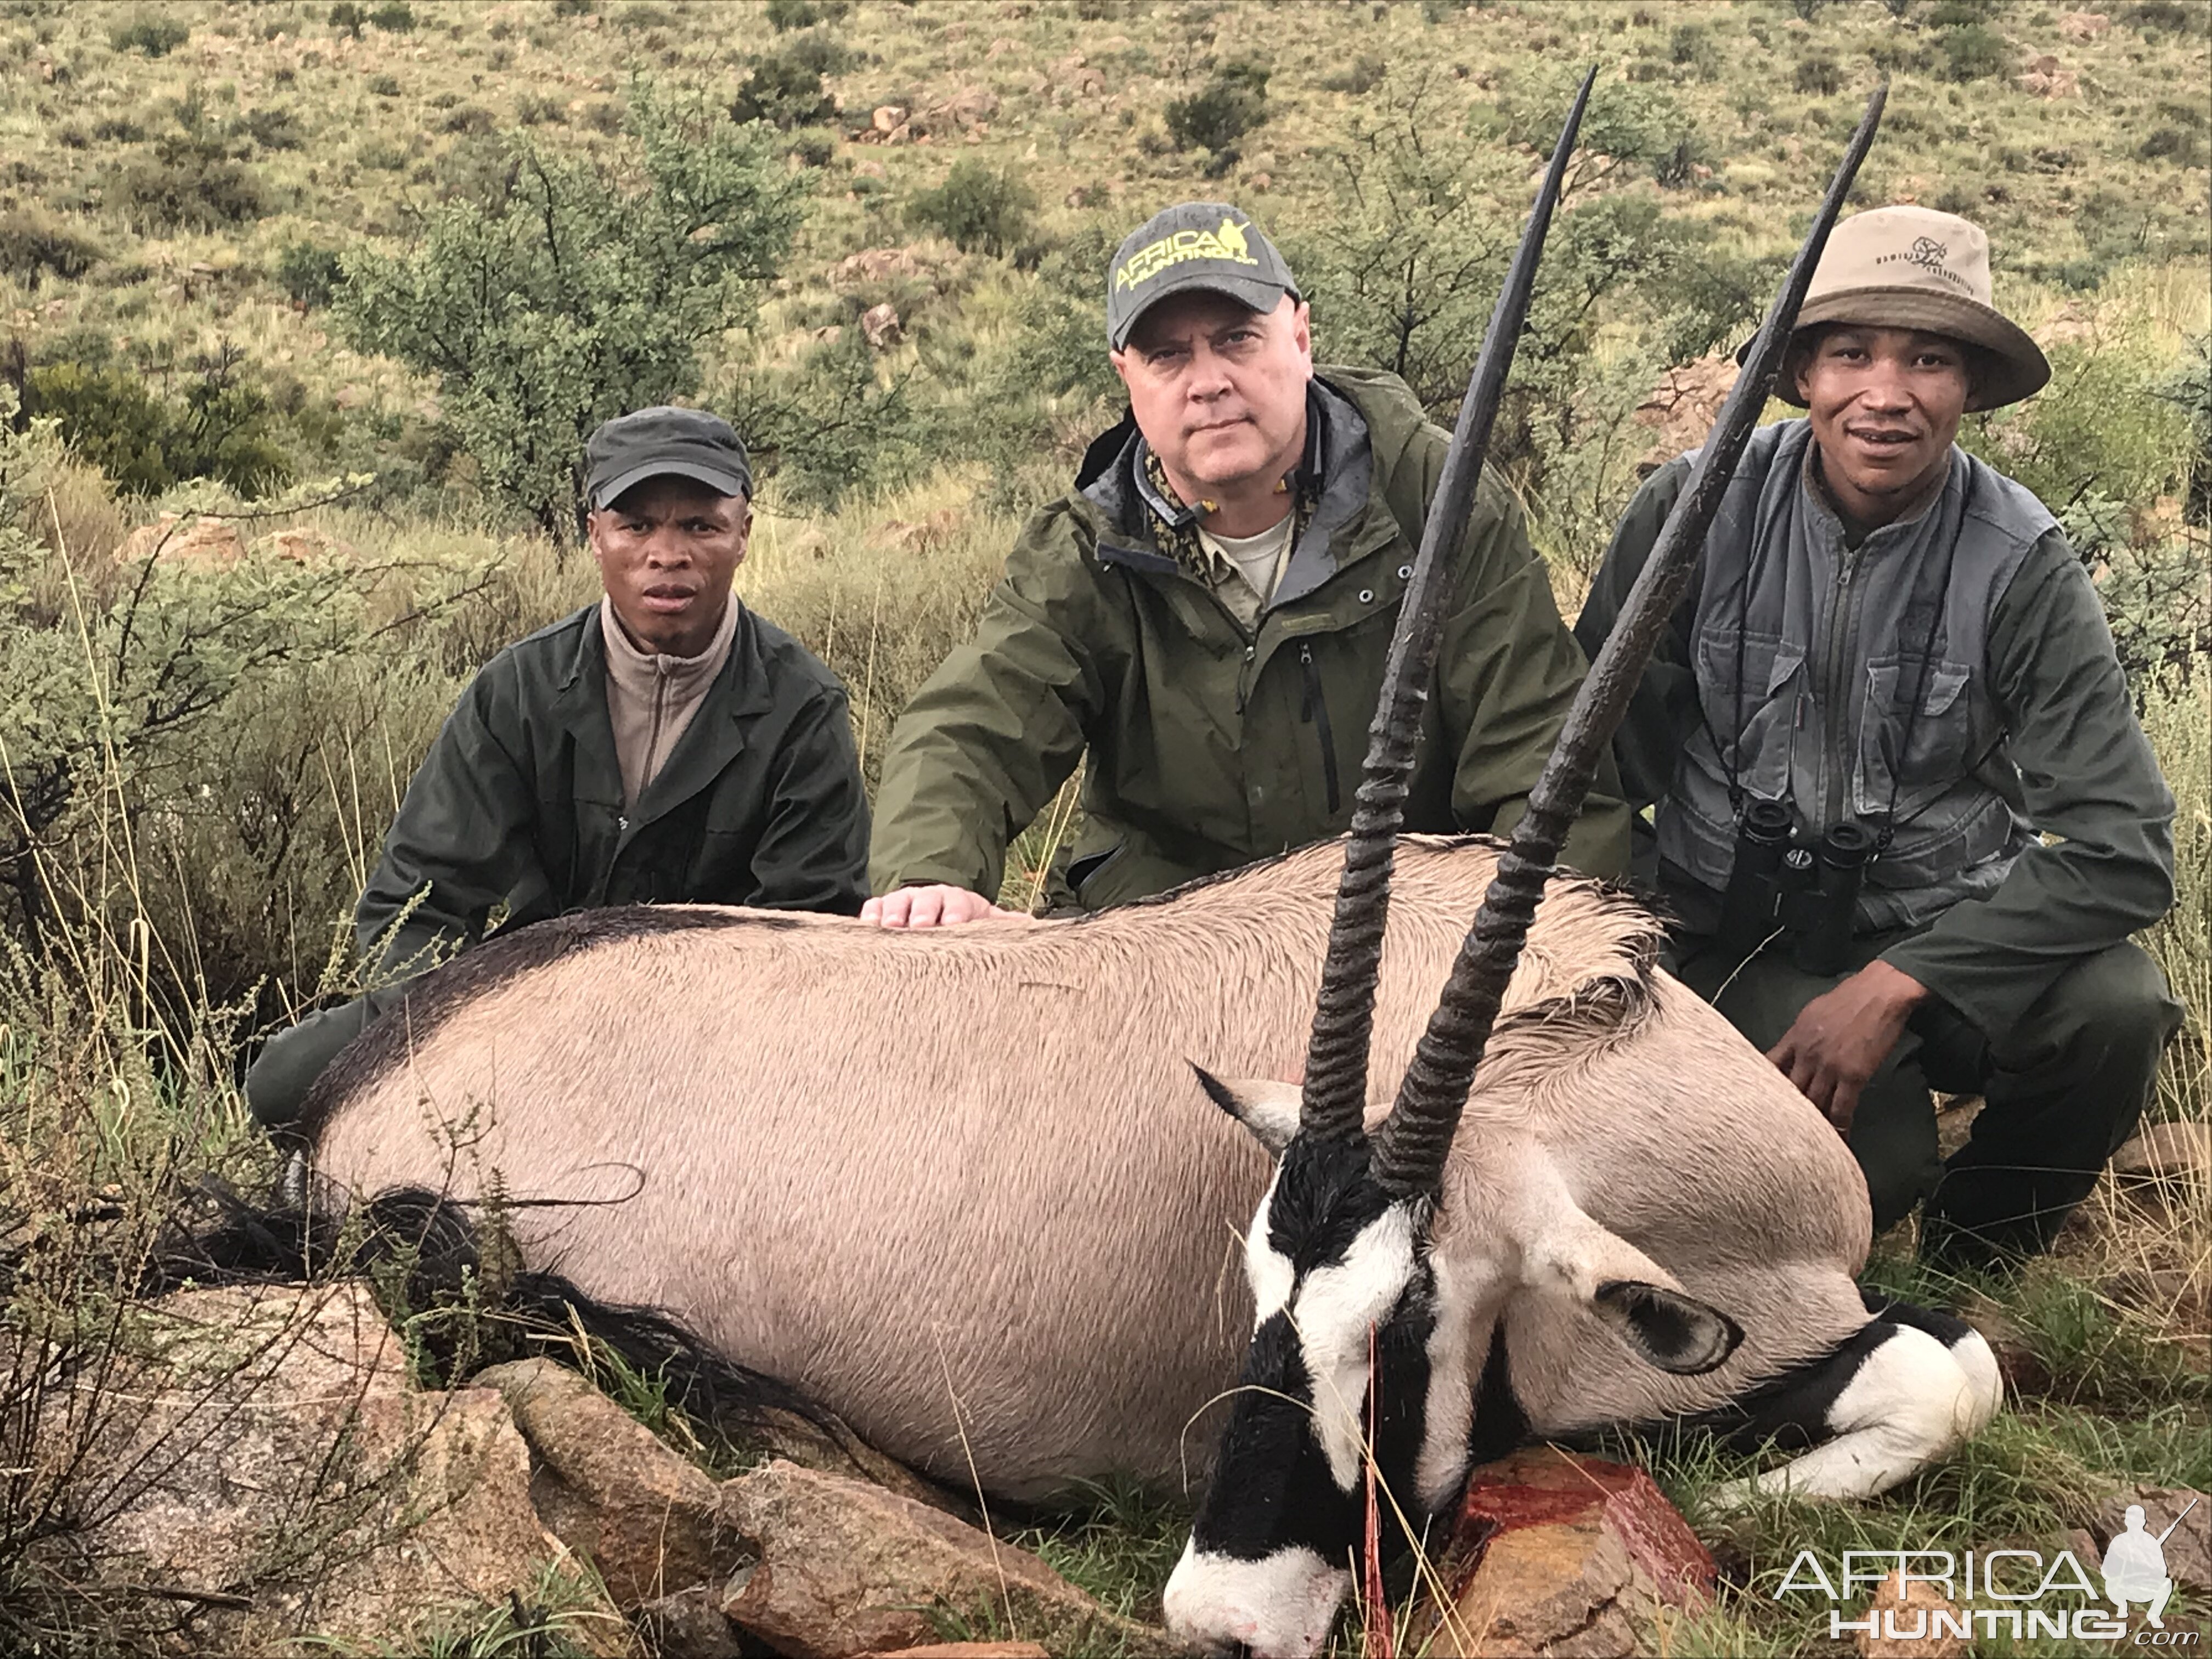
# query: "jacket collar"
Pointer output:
{"type": "Point", "coordinates": [1338, 459]}
{"type": "Point", "coordinates": [740, 694]}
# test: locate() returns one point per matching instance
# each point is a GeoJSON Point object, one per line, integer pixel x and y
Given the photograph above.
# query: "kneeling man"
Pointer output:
{"type": "Point", "coordinates": [1903, 809]}
{"type": "Point", "coordinates": [664, 745]}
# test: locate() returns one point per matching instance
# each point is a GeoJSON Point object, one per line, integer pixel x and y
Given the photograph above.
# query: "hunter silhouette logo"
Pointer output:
{"type": "Point", "coordinates": [1927, 251]}
{"type": "Point", "coordinates": [2134, 1566]}
{"type": "Point", "coordinates": [1228, 244]}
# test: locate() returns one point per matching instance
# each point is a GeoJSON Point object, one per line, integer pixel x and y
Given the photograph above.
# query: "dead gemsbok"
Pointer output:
{"type": "Point", "coordinates": [965, 1189]}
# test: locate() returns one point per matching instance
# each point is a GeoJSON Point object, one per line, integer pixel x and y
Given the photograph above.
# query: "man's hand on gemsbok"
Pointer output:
{"type": "Point", "coordinates": [938, 906]}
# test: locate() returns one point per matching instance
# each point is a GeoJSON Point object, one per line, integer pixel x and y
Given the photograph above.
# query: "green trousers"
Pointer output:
{"type": "Point", "coordinates": [2062, 1090]}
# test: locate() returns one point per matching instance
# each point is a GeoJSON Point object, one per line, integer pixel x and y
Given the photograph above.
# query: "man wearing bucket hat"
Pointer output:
{"type": "Point", "coordinates": [1202, 620]}
{"type": "Point", "coordinates": [1904, 809]}
{"type": "Point", "coordinates": [662, 745]}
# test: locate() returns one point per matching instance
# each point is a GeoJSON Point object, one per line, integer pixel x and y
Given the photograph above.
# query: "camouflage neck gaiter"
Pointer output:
{"type": "Point", "coordinates": [1179, 539]}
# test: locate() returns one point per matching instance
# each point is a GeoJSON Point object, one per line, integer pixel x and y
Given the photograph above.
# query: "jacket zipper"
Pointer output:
{"type": "Point", "coordinates": [1843, 652]}
{"type": "Point", "coordinates": [1314, 711]}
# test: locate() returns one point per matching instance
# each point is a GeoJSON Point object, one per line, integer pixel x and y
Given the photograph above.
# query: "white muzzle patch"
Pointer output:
{"type": "Point", "coordinates": [1281, 1607]}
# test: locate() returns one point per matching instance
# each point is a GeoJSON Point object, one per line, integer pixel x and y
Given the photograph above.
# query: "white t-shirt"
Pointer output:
{"type": "Point", "coordinates": [1257, 559]}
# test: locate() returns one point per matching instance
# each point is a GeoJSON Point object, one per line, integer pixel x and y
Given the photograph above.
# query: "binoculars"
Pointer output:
{"type": "Point", "coordinates": [1805, 892]}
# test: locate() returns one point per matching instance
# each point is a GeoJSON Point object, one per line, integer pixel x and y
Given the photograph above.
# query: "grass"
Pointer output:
{"type": "Point", "coordinates": [208, 872]}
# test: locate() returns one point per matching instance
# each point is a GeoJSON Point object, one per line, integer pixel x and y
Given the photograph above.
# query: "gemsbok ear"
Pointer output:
{"type": "Point", "coordinates": [1269, 1110]}
{"type": "Point", "coordinates": [1676, 1333]}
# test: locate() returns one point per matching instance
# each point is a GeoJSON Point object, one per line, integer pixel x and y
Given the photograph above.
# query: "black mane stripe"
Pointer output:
{"type": "Point", "coordinates": [429, 1001]}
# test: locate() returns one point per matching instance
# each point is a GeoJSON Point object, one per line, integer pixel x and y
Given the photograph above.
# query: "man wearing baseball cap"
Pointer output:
{"type": "Point", "coordinates": [1890, 649]}
{"type": "Point", "coordinates": [664, 745]}
{"type": "Point", "coordinates": [1202, 620]}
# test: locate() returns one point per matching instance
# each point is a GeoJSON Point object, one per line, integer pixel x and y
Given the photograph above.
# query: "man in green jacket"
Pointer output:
{"type": "Point", "coordinates": [662, 746]}
{"type": "Point", "coordinates": [1203, 621]}
{"type": "Point", "coordinates": [1890, 650]}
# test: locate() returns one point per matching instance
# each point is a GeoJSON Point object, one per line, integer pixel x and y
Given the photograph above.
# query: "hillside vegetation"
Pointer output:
{"type": "Point", "coordinates": [351, 280]}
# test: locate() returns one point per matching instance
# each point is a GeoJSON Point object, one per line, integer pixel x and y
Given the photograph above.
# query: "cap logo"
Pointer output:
{"type": "Point", "coordinates": [1226, 244]}
{"type": "Point", "coordinates": [1927, 251]}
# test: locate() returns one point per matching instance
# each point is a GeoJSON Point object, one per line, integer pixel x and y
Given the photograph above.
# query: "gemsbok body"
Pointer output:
{"type": "Point", "coordinates": [1012, 1199]}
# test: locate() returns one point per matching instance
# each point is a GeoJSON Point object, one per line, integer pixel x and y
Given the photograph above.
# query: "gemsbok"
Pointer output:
{"type": "Point", "coordinates": [967, 1189]}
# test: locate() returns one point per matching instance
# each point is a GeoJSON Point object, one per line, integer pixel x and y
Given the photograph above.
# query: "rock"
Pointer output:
{"type": "Point", "coordinates": [2174, 1150]}
{"type": "Point", "coordinates": [969, 1650]}
{"type": "Point", "coordinates": [1904, 1612]}
{"type": "Point", "coordinates": [272, 1343]}
{"type": "Point", "coordinates": [1683, 406]}
{"type": "Point", "coordinates": [847, 1569]}
{"type": "Point", "coordinates": [2083, 25]}
{"type": "Point", "coordinates": [887, 118]}
{"type": "Point", "coordinates": [303, 547]}
{"type": "Point", "coordinates": [648, 1518]}
{"type": "Point", "coordinates": [2188, 1547]}
{"type": "Point", "coordinates": [257, 1444]}
{"type": "Point", "coordinates": [1552, 1554]}
{"type": "Point", "coordinates": [206, 541]}
{"type": "Point", "coordinates": [688, 1624]}
{"type": "Point", "coordinates": [881, 264]}
{"type": "Point", "coordinates": [998, 48]}
{"type": "Point", "coordinates": [880, 324]}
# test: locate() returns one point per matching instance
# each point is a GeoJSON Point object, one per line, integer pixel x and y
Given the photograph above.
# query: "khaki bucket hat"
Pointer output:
{"type": "Point", "coordinates": [1912, 267]}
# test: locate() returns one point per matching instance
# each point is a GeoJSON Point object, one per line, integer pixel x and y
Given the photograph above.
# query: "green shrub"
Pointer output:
{"type": "Point", "coordinates": [814, 147]}
{"type": "Point", "coordinates": [976, 208]}
{"type": "Point", "coordinates": [384, 86]}
{"type": "Point", "coordinates": [571, 292]}
{"type": "Point", "coordinates": [1973, 52]}
{"type": "Point", "coordinates": [784, 15]}
{"type": "Point", "coordinates": [222, 428]}
{"type": "Point", "coordinates": [2166, 17]}
{"type": "Point", "coordinates": [394, 17]}
{"type": "Point", "coordinates": [2183, 146]}
{"type": "Point", "coordinates": [273, 129]}
{"type": "Point", "coordinates": [1820, 73]}
{"type": "Point", "coordinates": [1692, 46]}
{"type": "Point", "coordinates": [155, 34]}
{"type": "Point", "coordinates": [784, 88]}
{"type": "Point", "coordinates": [190, 182]}
{"type": "Point", "coordinates": [34, 243]}
{"type": "Point", "coordinates": [533, 109]}
{"type": "Point", "coordinates": [1230, 106]}
{"type": "Point", "coordinates": [1364, 74]}
{"type": "Point", "coordinates": [347, 18]}
{"type": "Point", "coordinates": [469, 118]}
{"type": "Point", "coordinates": [309, 273]}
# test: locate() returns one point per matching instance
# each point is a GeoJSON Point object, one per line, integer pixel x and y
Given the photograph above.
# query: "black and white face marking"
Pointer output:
{"type": "Point", "coordinates": [1330, 1258]}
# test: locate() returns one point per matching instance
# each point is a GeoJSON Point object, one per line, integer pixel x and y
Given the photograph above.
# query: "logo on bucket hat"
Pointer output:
{"type": "Point", "coordinates": [1193, 245]}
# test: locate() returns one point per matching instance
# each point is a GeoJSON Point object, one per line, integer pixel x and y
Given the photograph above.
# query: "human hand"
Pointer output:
{"type": "Point", "coordinates": [938, 906]}
{"type": "Point", "coordinates": [1840, 1039]}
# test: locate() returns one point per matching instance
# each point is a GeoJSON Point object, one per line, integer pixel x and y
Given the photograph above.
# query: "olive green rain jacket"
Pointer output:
{"type": "Point", "coordinates": [1210, 745]}
{"type": "Point", "coordinates": [520, 801]}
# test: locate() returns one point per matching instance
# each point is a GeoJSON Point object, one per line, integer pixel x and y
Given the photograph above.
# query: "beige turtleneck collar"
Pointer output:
{"type": "Point", "coordinates": [651, 698]}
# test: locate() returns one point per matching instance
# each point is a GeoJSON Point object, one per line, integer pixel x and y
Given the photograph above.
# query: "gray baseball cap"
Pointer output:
{"type": "Point", "coordinates": [1202, 244]}
{"type": "Point", "coordinates": [650, 442]}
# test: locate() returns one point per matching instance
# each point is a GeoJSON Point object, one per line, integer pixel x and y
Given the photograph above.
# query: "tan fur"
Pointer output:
{"type": "Point", "coordinates": [897, 1170]}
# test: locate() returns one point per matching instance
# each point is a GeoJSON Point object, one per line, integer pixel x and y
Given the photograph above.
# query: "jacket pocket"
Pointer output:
{"type": "Point", "coordinates": [1907, 757]}
{"type": "Point", "coordinates": [1081, 871]}
{"type": "Point", "coordinates": [1755, 733]}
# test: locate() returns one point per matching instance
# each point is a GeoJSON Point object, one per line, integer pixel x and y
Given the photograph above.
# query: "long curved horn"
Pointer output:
{"type": "Point", "coordinates": [1410, 1148]}
{"type": "Point", "coordinates": [1334, 1099]}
